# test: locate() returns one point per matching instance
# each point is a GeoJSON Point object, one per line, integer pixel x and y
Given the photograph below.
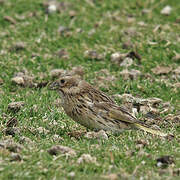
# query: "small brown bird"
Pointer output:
{"type": "Point", "coordinates": [93, 109]}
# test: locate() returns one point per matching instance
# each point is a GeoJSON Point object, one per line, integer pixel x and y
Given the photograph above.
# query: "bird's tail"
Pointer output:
{"type": "Point", "coordinates": [152, 131]}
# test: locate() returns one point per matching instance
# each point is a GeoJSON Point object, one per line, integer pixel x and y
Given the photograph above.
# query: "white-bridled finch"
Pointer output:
{"type": "Point", "coordinates": [93, 109]}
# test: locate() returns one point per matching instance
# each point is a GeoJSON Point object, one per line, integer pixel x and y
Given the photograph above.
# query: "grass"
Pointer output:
{"type": "Point", "coordinates": [119, 154]}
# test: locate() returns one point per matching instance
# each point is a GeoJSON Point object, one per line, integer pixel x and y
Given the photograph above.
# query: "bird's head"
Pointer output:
{"type": "Point", "coordinates": [66, 84]}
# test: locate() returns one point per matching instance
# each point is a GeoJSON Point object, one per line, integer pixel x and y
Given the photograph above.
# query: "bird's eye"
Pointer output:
{"type": "Point", "coordinates": [62, 81]}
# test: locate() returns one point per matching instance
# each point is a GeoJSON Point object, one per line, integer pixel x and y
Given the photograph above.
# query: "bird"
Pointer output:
{"type": "Point", "coordinates": [95, 110]}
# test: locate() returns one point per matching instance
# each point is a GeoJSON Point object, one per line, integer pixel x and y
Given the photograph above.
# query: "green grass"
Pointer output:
{"type": "Point", "coordinates": [119, 154]}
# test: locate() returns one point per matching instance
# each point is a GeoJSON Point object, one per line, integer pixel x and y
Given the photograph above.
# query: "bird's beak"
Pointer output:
{"type": "Point", "coordinates": [53, 86]}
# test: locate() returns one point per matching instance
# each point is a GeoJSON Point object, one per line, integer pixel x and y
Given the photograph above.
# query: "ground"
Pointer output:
{"type": "Point", "coordinates": [81, 37]}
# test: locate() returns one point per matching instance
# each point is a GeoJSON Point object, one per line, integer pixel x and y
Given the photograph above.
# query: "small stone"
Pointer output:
{"type": "Point", "coordinates": [72, 13]}
{"type": "Point", "coordinates": [132, 31]}
{"type": "Point", "coordinates": [41, 84]}
{"type": "Point", "coordinates": [15, 157]}
{"type": "Point", "coordinates": [176, 85]}
{"type": "Point", "coordinates": [72, 174]}
{"type": "Point", "coordinates": [25, 140]}
{"type": "Point", "coordinates": [132, 74]}
{"type": "Point", "coordinates": [12, 131]}
{"type": "Point", "coordinates": [18, 80]}
{"type": "Point", "coordinates": [62, 30]}
{"type": "Point", "coordinates": [18, 46]}
{"type": "Point", "coordinates": [142, 23]}
{"type": "Point", "coordinates": [164, 161]}
{"type": "Point", "coordinates": [52, 8]}
{"type": "Point", "coordinates": [161, 70]}
{"type": "Point", "coordinates": [92, 54]}
{"type": "Point", "coordinates": [76, 134]}
{"type": "Point", "coordinates": [142, 142]}
{"type": "Point", "coordinates": [127, 45]}
{"type": "Point", "coordinates": [176, 57]}
{"type": "Point", "coordinates": [42, 130]}
{"type": "Point", "coordinates": [102, 135]}
{"type": "Point", "coordinates": [166, 10]}
{"type": "Point", "coordinates": [127, 62]}
{"type": "Point", "coordinates": [57, 73]}
{"type": "Point", "coordinates": [177, 71]}
{"type": "Point", "coordinates": [14, 147]}
{"type": "Point", "coordinates": [111, 177]}
{"type": "Point", "coordinates": [91, 32]}
{"type": "Point", "coordinates": [78, 70]}
{"type": "Point", "coordinates": [86, 158]}
{"type": "Point", "coordinates": [117, 57]}
{"type": "Point", "coordinates": [57, 138]}
{"type": "Point", "coordinates": [58, 149]}
{"type": "Point", "coordinates": [15, 106]}
{"type": "Point", "coordinates": [22, 79]}
{"type": "Point", "coordinates": [146, 11]}
{"type": "Point", "coordinates": [62, 53]}
{"type": "Point", "coordinates": [96, 135]}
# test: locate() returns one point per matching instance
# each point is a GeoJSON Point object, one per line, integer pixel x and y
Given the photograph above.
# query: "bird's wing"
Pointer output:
{"type": "Point", "coordinates": [116, 112]}
{"type": "Point", "coordinates": [105, 106]}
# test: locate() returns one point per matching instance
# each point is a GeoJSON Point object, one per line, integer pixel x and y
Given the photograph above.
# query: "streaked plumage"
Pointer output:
{"type": "Point", "coordinates": [93, 109]}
